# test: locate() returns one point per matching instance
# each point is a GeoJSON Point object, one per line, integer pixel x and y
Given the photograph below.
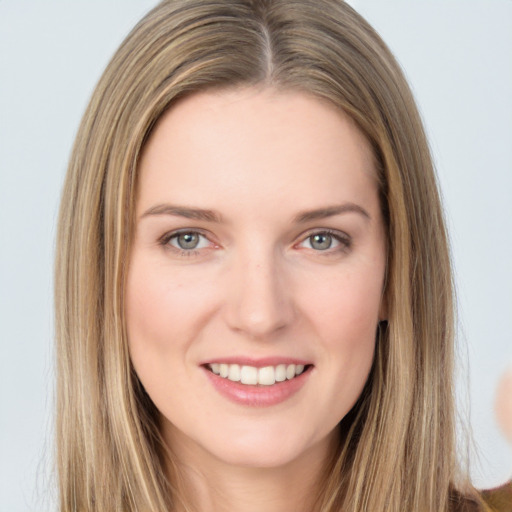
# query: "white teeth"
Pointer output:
{"type": "Point", "coordinates": [280, 372]}
{"type": "Point", "coordinates": [250, 375]}
{"type": "Point", "coordinates": [266, 376]}
{"type": "Point", "coordinates": [290, 371]}
{"type": "Point", "coordinates": [234, 372]}
{"type": "Point", "coordinates": [224, 370]}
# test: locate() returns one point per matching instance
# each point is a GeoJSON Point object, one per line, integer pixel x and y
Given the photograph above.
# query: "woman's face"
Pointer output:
{"type": "Point", "coordinates": [259, 253]}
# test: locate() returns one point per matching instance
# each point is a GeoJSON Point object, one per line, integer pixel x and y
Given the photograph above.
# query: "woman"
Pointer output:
{"type": "Point", "coordinates": [253, 282]}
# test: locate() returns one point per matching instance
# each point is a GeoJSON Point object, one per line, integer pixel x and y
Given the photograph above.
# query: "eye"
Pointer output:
{"type": "Point", "coordinates": [320, 241]}
{"type": "Point", "coordinates": [187, 241]}
{"type": "Point", "coordinates": [326, 241]}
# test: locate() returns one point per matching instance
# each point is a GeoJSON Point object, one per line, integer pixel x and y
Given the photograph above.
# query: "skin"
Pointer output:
{"type": "Point", "coordinates": [503, 404]}
{"type": "Point", "coordinates": [256, 286]}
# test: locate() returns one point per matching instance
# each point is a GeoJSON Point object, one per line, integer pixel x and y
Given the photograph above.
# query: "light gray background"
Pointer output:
{"type": "Point", "coordinates": [458, 58]}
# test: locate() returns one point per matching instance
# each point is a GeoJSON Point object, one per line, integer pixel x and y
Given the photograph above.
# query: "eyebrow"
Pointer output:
{"type": "Point", "coordinates": [213, 216]}
{"type": "Point", "coordinates": [330, 211]}
{"type": "Point", "coordinates": [183, 211]}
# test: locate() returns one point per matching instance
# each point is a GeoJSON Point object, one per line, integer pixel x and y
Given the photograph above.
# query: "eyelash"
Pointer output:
{"type": "Point", "coordinates": [165, 242]}
{"type": "Point", "coordinates": [343, 239]}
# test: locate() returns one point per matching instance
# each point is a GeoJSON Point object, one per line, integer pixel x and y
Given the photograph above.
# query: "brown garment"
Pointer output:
{"type": "Point", "coordinates": [460, 503]}
{"type": "Point", "coordinates": [492, 500]}
{"type": "Point", "coordinates": [500, 498]}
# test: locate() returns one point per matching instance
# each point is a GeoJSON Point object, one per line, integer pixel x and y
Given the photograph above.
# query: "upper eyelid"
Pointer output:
{"type": "Point", "coordinates": [165, 242]}
{"type": "Point", "coordinates": [343, 242]}
{"type": "Point", "coordinates": [170, 234]}
{"type": "Point", "coordinates": [318, 231]}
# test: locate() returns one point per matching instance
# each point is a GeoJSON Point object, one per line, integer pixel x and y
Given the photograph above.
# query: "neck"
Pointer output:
{"type": "Point", "coordinates": [208, 484]}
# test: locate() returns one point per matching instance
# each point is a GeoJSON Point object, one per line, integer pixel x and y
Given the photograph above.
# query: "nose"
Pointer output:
{"type": "Point", "coordinates": [260, 301]}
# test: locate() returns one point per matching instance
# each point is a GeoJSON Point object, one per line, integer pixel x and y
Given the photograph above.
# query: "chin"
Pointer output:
{"type": "Point", "coordinates": [264, 449]}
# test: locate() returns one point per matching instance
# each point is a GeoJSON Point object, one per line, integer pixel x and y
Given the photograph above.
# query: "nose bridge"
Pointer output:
{"type": "Point", "coordinates": [259, 302]}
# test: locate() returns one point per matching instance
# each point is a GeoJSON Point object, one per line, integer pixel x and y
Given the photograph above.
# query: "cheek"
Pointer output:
{"type": "Point", "coordinates": [346, 316]}
{"type": "Point", "coordinates": [150, 308]}
{"type": "Point", "coordinates": [164, 314]}
{"type": "Point", "coordinates": [161, 319]}
{"type": "Point", "coordinates": [162, 307]}
{"type": "Point", "coordinates": [348, 309]}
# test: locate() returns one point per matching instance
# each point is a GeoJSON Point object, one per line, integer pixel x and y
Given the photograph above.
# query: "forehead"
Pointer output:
{"type": "Point", "coordinates": [257, 112]}
{"type": "Point", "coordinates": [255, 143]}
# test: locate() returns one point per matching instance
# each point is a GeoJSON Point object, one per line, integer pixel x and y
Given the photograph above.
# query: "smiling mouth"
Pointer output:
{"type": "Point", "coordinates": [252, 376]}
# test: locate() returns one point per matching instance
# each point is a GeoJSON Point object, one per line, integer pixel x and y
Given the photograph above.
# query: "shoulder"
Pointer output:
{"type": "Point", "coordinates": [500, 498]}
{"type": "Point", "coordinates": [460, 503]}
{"type": "Point", "coordinates": [492, 500]}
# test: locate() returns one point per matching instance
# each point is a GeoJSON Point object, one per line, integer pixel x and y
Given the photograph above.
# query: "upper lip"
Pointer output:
{"type": "Point", "coordinates": [256, 362]}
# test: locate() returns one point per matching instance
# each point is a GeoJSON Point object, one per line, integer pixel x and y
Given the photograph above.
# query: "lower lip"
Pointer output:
{"type": "Point", "coordinates": [258, 396]}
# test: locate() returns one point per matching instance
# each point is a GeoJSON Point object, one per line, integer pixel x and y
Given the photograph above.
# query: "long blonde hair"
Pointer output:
{"type": "Point", "coordinates": [398, 449]}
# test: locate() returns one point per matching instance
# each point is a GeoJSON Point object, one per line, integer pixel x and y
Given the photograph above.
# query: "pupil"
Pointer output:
{"type": "Point", "coordinates": [321, 242]}
{"type": "Point", "coordinates": [188, 240]}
